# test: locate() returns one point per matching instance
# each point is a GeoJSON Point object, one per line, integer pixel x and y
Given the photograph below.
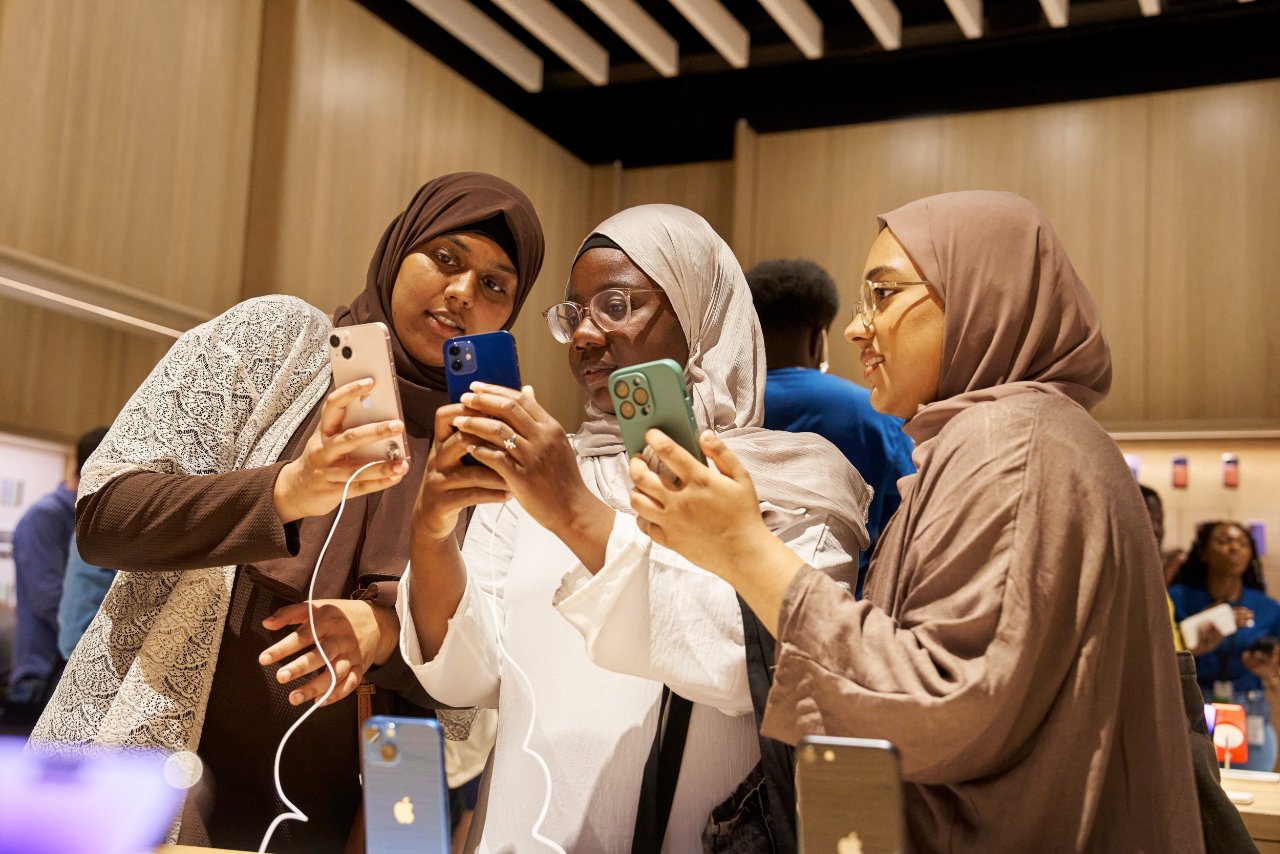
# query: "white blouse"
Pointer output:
{"type": "Point", "coordinates": [596, 651]}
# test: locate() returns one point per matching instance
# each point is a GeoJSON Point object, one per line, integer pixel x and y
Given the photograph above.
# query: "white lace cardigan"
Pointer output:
{"type": "Point", "coordinates": [227, 396]}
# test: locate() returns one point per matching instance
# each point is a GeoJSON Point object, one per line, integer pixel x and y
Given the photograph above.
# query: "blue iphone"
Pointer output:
{"type": "Point", "coordinates": [406, 798]}
{"type": "Point", "coordinates": [489, 357]}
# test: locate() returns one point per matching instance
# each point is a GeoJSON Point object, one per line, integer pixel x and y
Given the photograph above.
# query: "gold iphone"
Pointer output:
{"type": "Point", "coordinates": [848, 796]}
{"type": "Point", "coordinates": [361, 352]}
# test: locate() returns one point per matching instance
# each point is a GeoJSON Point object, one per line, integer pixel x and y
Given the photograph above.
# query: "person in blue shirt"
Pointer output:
{"type": "Point", "coordinates": [41, 542]}
{"type": "Point", "coordinates": [83, 588]}
{"type": "Point", "coordinates": [1222, 566]}
{"type": "Point", "coordinates": [796, 301]}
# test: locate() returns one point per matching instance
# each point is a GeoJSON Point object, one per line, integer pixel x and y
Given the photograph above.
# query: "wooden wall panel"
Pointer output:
{"type": "Point", "coordinates": [62, 375]}
{"type": "Point", "coordinates": [706, 188]}
{"type": "Point", "coordinates": [816, 194]}
{"type": "Point", "coordinates": [1212, 308]}
{"type": "Point", "coordinates": [1085, 165]}
{"type": "Point", "coordinates": [126, 143]}
{"type": "Point", "coordinates": [352, 119]}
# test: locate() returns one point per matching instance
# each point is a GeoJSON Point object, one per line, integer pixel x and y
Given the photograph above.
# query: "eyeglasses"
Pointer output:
{"type": "Point", "coordinates": [610, 310]}
{"type": "Point", "coordinates": [873, 293]}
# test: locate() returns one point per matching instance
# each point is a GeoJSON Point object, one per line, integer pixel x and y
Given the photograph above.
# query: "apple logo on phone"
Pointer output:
{"type": "Point", "coordinates": [403, 810]}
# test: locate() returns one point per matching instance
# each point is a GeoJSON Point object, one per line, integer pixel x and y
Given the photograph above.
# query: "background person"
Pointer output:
{"type": "Point", "coordinates": [1222, 566]}
{"type": "Point", "coordinates": [40, 546]}
{"type": "Point", "coordinates": [796, 301]}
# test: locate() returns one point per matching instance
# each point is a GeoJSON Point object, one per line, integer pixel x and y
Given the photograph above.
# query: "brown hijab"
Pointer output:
{"type": "Point", "coordinates": [1017, 317]}
{"type": "Point", "coordinates": [372, 539]}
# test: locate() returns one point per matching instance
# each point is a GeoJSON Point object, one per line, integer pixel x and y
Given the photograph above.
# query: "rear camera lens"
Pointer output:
{"type": "Point", "coordinates": [641, 396]}
{"type": "Point", "coordinates": [346, 352]}
{"type": "Point", "coordinates": [454, 349]}
{"type": "Point", "coordinates": [621, 389]}
{"type": "Point", "coordinates": [457, 365]}
{"type": "Point", "coordinates": [333, 341]}
{"type": "Point", "coordinates": [627, 409]}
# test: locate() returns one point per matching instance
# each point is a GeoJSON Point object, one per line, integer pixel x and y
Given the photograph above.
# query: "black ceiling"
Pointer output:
{"type": "Point", "coordinates": [641, 118]}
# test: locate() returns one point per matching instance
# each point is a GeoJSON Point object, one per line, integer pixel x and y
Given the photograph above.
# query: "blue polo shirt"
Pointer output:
{"type": "Point", "coordinates": [801, 400]}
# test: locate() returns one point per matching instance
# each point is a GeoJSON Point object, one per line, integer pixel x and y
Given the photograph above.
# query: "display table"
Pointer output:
{"type": "Point", "coordinates": [1262, 816]}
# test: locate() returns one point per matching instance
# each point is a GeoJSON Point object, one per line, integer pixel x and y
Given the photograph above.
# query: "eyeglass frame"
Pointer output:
{"type": "Point", "coordinates": [869, 286]}
{"type": "Point", "coordinates": [585, 311]}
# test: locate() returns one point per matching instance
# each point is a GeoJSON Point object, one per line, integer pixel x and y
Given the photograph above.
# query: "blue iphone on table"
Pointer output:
{"type": "Point", "coordinates": [406, 798]}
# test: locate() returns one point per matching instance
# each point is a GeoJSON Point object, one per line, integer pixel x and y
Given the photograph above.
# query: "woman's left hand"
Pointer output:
{"type": "Point", "coordinates": [356, 635]}
{"type": "Point", "coordinates": [524, 444]}
{"type": "Point", "coordinates": [1266, 666]}
{"type": "Point", "coordinates": [711, 517]}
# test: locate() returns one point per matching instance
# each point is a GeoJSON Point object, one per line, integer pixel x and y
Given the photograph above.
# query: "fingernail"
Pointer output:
{"type": "Point", "coordinates": [295, 698]}
{"type": "Point", "coordinates": [471, 449]}
{"type": "Point", "coordinates": [402, 467]}
{"type": "Point", "coordinates": [467, 397]}
{"type": "Point", "coordinates": [285, 674]}
{"type": "Point", "coordinates": [396, 426]}
{"type": "Point", "coordinates": [366, 382]}
{"type": "Point", "coordinates": [264, 659]}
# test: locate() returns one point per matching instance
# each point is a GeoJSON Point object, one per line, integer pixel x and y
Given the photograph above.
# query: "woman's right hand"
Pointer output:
{"type": "Point", "coordinates": [312, 484]}
{"type": "Point", "coordinates": [448, 486]}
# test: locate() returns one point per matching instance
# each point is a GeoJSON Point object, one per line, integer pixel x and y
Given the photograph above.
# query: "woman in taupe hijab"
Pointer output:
{"type": "Point", "coordinates": [1014, 642]}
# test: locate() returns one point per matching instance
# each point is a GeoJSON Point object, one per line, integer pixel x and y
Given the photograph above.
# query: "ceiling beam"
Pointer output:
{"type": "Point", "coordinates": [730, 39]}
{"type": "Point", "coordinates": [1055, 11]}
{"type": "Point", "coordinates": [884, 20]}
{"type": "Point", "coordinates": [565, 38]}
{"type": "Point", "coordinates": [968, 14]}
{"type": "Point", "coordinates": [495, 45]}
{"type": "Point", "coordinates": [645, 36]}
{"type": "Point", "coordinates": [800, 24]}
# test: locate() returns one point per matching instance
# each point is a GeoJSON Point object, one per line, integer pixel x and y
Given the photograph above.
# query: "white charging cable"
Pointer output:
{"type": "Point", "coordinates": [294, 813]}
{"type": "Point", "coordinates": [535, 831]}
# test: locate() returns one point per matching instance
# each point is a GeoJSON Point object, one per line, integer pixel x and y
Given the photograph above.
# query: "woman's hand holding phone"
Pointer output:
{"type": "Point", "coordinates": [713, 519]}
{"type": "Point", "coordinates": [512, 435]}
{"type": "Point", "coordinates": [312, 484]}
{"type": "Point", "coordinates": [448, 486]}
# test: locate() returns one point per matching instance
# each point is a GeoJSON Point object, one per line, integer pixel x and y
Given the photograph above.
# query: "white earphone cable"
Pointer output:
{"type": "Point", "coordinates": [294, 813]}
{"type": "Point", "coordinates": [528, 687]}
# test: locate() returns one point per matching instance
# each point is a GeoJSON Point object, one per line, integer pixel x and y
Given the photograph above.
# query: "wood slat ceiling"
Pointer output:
{"type": "Point", "coordinates": [638, 106]}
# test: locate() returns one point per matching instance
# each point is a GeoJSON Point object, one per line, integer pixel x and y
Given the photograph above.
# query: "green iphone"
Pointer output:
{"type": "Point", "coordinates": [654, 394]}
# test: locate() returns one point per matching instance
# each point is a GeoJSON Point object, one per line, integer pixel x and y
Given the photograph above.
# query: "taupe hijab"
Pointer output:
{"type": "Point", "coordinates": [372, 539]}
{"type": "Point", "coordinates": [697, 270]}
{"type": "Point", "coordinates": [1017, 317]}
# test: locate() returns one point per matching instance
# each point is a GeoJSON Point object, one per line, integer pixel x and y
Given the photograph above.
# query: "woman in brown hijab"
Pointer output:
{"type": "Point", "coordinates": [213, 493]}
{"type": "Point", "coordinates": [1014, 641]}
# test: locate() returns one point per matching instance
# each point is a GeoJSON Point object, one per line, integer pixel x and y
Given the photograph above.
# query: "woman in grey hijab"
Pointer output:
{"type": "Point", "coordinates": [565, 617]}
{"type": "Point", "coordinates": [1014, 641]}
